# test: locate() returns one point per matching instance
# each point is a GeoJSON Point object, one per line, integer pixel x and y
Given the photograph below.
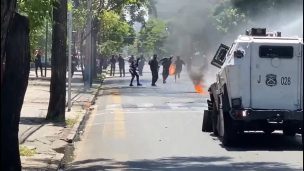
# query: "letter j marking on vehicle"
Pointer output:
{"type": "Point", "coordinates": [259, 80]}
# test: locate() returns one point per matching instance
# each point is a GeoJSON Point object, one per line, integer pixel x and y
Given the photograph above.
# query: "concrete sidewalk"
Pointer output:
{"type": "Point", "coordinates": [48, 139]}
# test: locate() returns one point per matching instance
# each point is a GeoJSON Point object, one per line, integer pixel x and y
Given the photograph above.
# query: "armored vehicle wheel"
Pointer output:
{"type": "Point", "coordinates": [226, 127]}
{"type": "Point", "coordinates": [229, 133]}
{"type": "Point", "coordinates": [215, 120]}
{"type": "Point", "coordinates": [207, 123]}
{"type": "Point", "coordinates": [214, 124]}
{"type": "Point", "coordinates": [214, 116]}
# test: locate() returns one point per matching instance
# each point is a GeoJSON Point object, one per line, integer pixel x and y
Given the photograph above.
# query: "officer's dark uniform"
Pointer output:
{"type": "Point", "coordinates": [166, 65]}
{"type": "Point", "coordinates": [133, 71]}
{"type": "Point", "coordinates": [154, 69]}
{"type": "Point", "coordinates": [113, 62]}
{"type": "Point", "coordinates": [38, 63]}
{"type": "Point", "coordinates": [121, 63]}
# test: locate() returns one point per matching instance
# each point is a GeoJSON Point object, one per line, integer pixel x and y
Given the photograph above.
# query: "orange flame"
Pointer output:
{"type": "Point", "coordinates": [199, 89]}
{"type": "Point", "coordinates": [172, 69]}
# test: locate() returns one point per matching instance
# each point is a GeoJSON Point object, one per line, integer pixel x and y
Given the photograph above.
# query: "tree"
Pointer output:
{"type": "Point", "coordinates": [99, 9]}
{"type": "Point", "coordinates": [56, 109]}
{"type": "Point", "coordinates": [229, 19]}
{"type": "Point", "coordinates": [115, 34]}
{"type": "Point", "coordinates": [15, 61]}
{"type": "Point", "coordinates": [38, 11]}
{"type": "Point", "coordinates": [152, 37]}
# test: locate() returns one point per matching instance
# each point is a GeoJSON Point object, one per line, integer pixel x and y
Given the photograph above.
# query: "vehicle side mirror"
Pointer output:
{"type": "Point", "coordinates": [238, 54]}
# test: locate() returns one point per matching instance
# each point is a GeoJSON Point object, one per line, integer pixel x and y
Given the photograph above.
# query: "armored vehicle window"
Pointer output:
{"type": "Point", "coordinates": [276, 51]}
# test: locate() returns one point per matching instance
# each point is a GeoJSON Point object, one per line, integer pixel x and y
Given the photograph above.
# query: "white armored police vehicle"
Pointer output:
{"type": "Point", "coordinates": [259, 86]}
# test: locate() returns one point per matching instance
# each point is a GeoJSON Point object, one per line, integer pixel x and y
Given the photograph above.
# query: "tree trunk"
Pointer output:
{"type": "Point", "coordinates": [81, 61]}
{"type": "Point", "coordinates": [7, 12]}
{"type": "Point", "coordinates": [94, 46]}
{"type": "Point", "coordinates": [94, 51]}
{"type": "Point", "coordinates": [15, 81]}
{"type": "Point", "coordinates": [81, 54]}
{"type": "Point", "coordinates": [56, 109]}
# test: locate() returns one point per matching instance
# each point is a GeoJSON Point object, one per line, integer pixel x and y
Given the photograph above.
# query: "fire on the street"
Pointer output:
{"type": "Point", "coordinates": [172, 69]}
{"type": "Point", "coordinates": [199, 89]}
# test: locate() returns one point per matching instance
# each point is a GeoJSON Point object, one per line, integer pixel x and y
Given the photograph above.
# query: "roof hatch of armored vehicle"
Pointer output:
{"type": "Point", "coordinates": [220, 56]}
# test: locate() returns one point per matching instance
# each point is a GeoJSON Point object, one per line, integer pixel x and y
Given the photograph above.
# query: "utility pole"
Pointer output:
{"type": "Point", "coordinates": [70, 27]}
{"type": "Point", "coordinates": [46, 41]}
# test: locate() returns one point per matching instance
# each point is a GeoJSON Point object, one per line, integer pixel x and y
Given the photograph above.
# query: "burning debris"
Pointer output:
{"type": "Point", "coordinates": [197, 78]}
{"type": "Point", "coordinates": [197, 65]}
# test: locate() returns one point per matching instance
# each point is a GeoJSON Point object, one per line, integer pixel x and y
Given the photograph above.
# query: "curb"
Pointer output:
{"type": "Point", "coordinates": [72, 136]}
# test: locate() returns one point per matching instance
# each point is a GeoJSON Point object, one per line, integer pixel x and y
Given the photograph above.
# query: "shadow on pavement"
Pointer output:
{"type": "Point", "coordinates": [38, 121]}
{"type": "Point", "coordinates": [179, 163]}
{"type": "Point", "coordinates": [263, 142]}
{"type": "Point", "coordinates": [32, 120]}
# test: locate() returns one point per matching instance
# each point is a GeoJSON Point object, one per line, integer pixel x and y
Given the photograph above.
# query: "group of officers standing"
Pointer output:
{"type": "Point", "coordinates": [136, 66]}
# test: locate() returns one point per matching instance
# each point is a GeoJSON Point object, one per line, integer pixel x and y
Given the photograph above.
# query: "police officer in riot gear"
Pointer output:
{"type": "Point", "coordinates": [133, 70]}
{"type": "Point", "coordinates": [154, 69]}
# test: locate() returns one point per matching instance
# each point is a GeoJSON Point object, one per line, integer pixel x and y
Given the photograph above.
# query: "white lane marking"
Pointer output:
{"type": "Point", "coordinates": [175, 104]}
{"type": "Point", "coordinates": [145, 105]}
{"type": "Point", "coordinates": [113, 106]}
{"type": "Point", "coordinates": [179, 108]}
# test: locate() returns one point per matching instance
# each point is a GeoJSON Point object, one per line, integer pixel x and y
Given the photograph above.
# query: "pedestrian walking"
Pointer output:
{"type": "Point", "coordinates": [141, 65]}
{"type": "Point", "coordinates": [38, 62]}
{"type": "Point", "coordinates": [178, 67]}
{"type": "Point", "coordinates": [121, 63]}
{"type": "Point", "coordinates": [166, 62]}
{"type": "Point", "coordinates": [154, 69]}
{"type": "Point", "coordinates": [133, 70]}
{"type": "Point", "coordinates": [113, 63]}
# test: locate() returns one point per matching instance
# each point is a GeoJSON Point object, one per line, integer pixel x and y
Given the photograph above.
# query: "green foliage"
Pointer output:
{"type": "Point", "coordinates": [116, 33]}
{"type": "Point", "coordinates": [152, 37]}
{"type": "Point", "coordinates": [37, 11]}
{"type": "Point", "coordinates": [80, 13]}
{"type": "Point", "coordinates": [230, 14]}
{"type": "Point", "coordinates": [133, 48]}
{"type": "Point", "coordinates": [70, 122]}
{"type": "Point", "coordinates": [110, 23]}
{"type": "Point", "coordinates": [25, 151]}
{"type": "Point", "coordinates": [229, 19]}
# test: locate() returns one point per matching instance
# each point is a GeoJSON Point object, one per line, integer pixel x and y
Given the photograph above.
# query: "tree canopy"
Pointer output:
{"type": "Point", "coordinates": [38, 11]}
{"type": "Point", "coordinates": [152, 37]}
{"type": "Point", "coordinates": [116, 33]}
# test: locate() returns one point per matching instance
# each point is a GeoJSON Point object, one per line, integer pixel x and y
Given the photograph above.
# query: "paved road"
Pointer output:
{"type": "Point", "coordinates": [159, 128]}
